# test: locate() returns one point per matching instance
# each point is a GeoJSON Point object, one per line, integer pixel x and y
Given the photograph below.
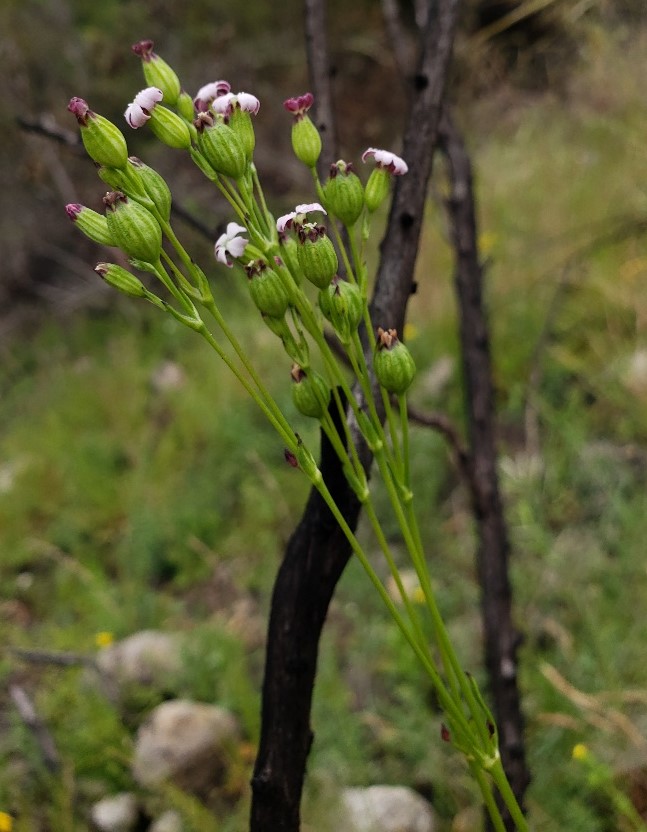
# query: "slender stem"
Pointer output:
{"type": "Point", "coordinates": [488, 798]}
{"type": "Point", "coordinates": [404, 429]}
{"type": "Point", "coordinates": [499, 776]}
{"type": "Point", "coordinates": [286, 435]}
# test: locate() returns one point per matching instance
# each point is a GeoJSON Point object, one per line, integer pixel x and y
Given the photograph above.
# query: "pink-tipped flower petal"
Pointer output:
{"type": "Point", "coordinates": [299, 105]}
{"type": "Point", "coordinates": [230, 243]}
{"type": "Point", "coordinates": [286, 220]}
{"type": "Point", "coordinates": [207, 94]}
{"type": "Point", "coordinates": [385, 159]}
{"type": "Point", "coordinates": [139, 110]}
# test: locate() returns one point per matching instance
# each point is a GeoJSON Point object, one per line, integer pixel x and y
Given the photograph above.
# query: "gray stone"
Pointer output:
{"type": "Point", "coordinates": [169, 821]}
{"type": "Point", "coordinates": [187, 743]}
{"type": "Point", "coordinates": [117, 813]}
{"type": "Point", "coordinates": [385, 809]}
{"type": "Point", "coordinates": [145, 658]}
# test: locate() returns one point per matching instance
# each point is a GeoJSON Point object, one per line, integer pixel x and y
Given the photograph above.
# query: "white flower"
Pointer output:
{"type": "Point", "coordinates": [248, 103]}
{"type": "Point", "coordinates": [139, 110]}
{"type": "Point", "coordinates": [286, 220]}
{"type": "Point", "coordinates": [385, 159]}
{"type": "Point", "coordinates": [209, 93]}
{"type": "Point", "coordinates": [230, 243]}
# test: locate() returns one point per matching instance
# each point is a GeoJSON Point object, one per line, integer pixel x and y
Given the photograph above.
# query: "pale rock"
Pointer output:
{"type": "Point", "coordinates": [145, 658]}
{"type": "Point", "coordinates": [169, 821]}
{"type": "Point", "coordinates": [187, 743]}
{"type": "Point", "coordinates": [117, 813]}
{"type": "Point", "coordinates": [385, 809]}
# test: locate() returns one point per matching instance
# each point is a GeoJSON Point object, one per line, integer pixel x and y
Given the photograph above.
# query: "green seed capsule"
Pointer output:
{"type": "Point", "coordinates": [133, 228]}
{"type": "Point", "coordinates": [157, 72]}
{"type": "Point", "coordinates": [317, 255]}
{"type": "Point", "coordinates": [267, 290]}
{"type": "Point", "coordinates": [103, 140]}
{"type": "Point", "coordinates": [93, 225]}
{"type": "Point", "coordinates": [306, 141]}
{"type": "Point", "coordinates": [310, 392]}
{"type": "Point", "coordinates": [154, 185]}
{"type": "Point", "coordinates": [121, 279]}
{"type": "Point", "coordinates": [220, 146]}
{"type": "Point", "coordinates": [170, 128]}
{"type": "Point", "coordinates": [393, 363]}
{"type": "Point", "coordinates": [377, 188]}
{"type": "Point", "coordinates": [344, 193]}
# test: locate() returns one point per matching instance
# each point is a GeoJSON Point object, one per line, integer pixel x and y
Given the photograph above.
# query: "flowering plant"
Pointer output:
{"type": "Point", "coordinates": [302, 276]}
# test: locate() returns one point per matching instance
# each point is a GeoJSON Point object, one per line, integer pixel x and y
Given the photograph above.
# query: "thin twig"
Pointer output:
{"type": "Point", "coordinates": [30, 717]}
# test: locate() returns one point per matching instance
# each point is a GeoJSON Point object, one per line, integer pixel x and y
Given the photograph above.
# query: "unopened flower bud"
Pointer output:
{"type": "Point", "coordinates": [220, 146]}
{"type": "Point", "coordinates": [393, 363]}
{"type": "Point", "coordinates": [103, 140]}
{"type": "Point", "coordinates": [267, 290]}
{"type": "Point", "coordinates": [170, 128]}
{"type": "Point", "coordinates": [317, 255]}
{"type": "Point", "coordinates": [310, 392]}
{"type": "Point", "coordinates": [92, 224]}
{"type": "Point", "coordinates": [155, 186]}
{"type": "Point", "coordinates": [157, 72]}
{"type": "Point", "coordinates": [121, 279]}
{"type": "Point", "coordinates": [134, 229]}
{"type": "Point", "coordinates": [344, 193]}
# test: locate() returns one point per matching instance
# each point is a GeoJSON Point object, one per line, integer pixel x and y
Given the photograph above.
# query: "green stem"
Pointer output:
{"type": "Point", "coordinates": [488, 797]}
{"type": "Point", "coordinates": [286, 435]}
{"type": "Point", "coordinates": [501, 781]}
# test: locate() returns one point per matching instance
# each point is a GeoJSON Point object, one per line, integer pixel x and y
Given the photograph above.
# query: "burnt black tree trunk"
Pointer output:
{"type": "Point", "coordinates": [501, 638]}
{"type": "Point", "coordinates": [317, 552]}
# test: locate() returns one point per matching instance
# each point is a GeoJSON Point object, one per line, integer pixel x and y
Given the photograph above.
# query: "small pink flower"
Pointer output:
{"type": "Point", "coordinates": [139, 110]}
{"type": "Point", "coordinates": [207, 94]}
{"type": "Point", "coordinates": [287, 220]}
{"type": "Point", "coordinates": [73, 210]}
{"type": "Point", "coordinates": [385, 159]}
{"type": "Point", "coordinates": [225, 104]}
{"type": "Point", "coordinates": [300, 105]}
{"type": "Point", "coordinates": [230, 243]}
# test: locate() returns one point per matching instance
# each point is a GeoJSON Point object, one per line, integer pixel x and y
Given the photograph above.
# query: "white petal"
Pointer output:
{"type": "Point", "coordinates": [284, 220]}
{"type": "Point", "coordinates": [135, 116]}
{"type": "Point", "coordinates": [233, 229]}
{"type": "Point", "coordinates": [236, 246]}
{"type": "Point", "coordinates": [148, 98]}
{"type": "Point", "coordinates": [248, 102]}
{"type": "Point", "coordinates": [310, 206]}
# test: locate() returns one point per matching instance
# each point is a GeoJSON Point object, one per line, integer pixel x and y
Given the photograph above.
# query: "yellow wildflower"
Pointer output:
{"type": "Point", "coordinates": [6, 822]}
{"type": "Point", "coordinates": [102, 639]}
{"type": "Point", "coordinates": [580, 751]}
